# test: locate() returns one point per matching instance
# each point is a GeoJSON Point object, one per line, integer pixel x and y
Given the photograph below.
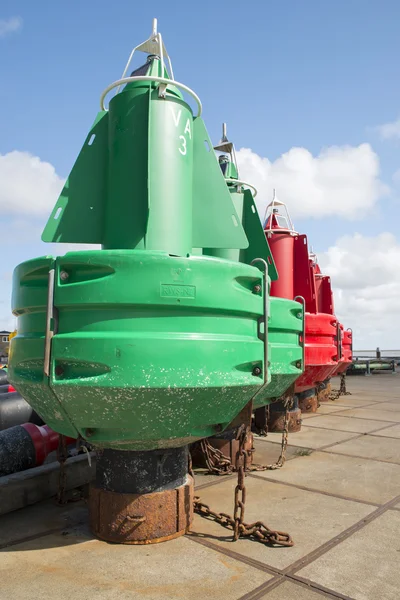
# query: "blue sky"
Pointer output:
{"type": "Point", "coordinates": [307, 74]}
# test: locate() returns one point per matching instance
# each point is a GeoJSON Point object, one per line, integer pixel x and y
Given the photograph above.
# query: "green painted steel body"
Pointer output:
{"type": "Point", "coordinates": [150, 344]}
{"type": "Point", "coordinates": [285, 317]}
{"type": "Point", "coordinates": [286, 354]}
{"type": "Point", "coordinates": [146, 178]}
{"type": "Point", "coordinates": [150, 170]}
{"type": "Point", "coordinates": [150, 350]}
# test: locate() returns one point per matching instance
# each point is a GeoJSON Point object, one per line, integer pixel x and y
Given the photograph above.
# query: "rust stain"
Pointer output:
{"type": "Point", "coordinates": [141, 518]}
{"type": "Point", "coordinates": [276, 421]}
{"type": "Point", "coordinates": [309, 405]}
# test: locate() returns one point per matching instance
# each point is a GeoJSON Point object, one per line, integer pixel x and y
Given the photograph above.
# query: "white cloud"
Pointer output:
{"type": "Point", "coordinates": [389, 130]}
{"type": "Point", "coordinates": [29, 186]}
{"type": "Point", "coordinates": [6, 318]}
{"type": "Point", "coordinates": [61, 249]}
{"type": "Point", "coordinates": [11, 25]}
{"type": "Point", "coordinates": [341, 181]}
{"type": "Point", "coordinates": [366, 281]}
{"type": "Point", "coordinates": [396, 177]}
{"type": "Point", "coordinates": [20, 230]}
{"type": "Point", "coordinates": [29, 190]}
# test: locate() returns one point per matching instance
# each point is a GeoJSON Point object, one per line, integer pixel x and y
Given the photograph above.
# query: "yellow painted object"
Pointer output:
{"type": "Point", "coordinates": [10, 337]}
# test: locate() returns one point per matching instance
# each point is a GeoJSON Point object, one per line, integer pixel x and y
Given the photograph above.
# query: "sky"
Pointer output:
{"type": "Point", "coordinates": [309, 91]}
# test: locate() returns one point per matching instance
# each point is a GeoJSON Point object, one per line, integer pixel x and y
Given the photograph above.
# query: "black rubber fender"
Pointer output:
{"type": "Point", "coordinates": [17, 451]}
{"type": "Point", "coordinates": [14, 410]}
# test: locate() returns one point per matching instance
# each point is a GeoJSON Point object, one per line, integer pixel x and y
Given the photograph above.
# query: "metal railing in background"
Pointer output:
{"type": "Point", "coordinates": [365, 362]}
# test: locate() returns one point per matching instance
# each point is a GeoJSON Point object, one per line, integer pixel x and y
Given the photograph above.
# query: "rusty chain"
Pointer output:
{"type": "Point", "coordinates": [342, 391]}
{"type": "Point", "coordinates": [240, 489]}
{"type": "Point", "coordinates": [216, 461]}
{"type": "Point", "coordinates": [220, 464]}
{"type": "Point", "coordinates": [288, 403]}
{"type": "Point", "coordinates": [257, 530]}
{"type": "Point", "coordinates": [334, 395]}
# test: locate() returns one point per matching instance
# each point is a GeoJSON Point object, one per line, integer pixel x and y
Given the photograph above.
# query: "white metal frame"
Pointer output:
{"type": "Point", "coordinates": [153, 45]}
{"type": "Point", "coordinates": [226, 147]}
{"type": "Point", "coordinates": [240, 183]}
{"type": "Point", "coordinates": [270, 211]}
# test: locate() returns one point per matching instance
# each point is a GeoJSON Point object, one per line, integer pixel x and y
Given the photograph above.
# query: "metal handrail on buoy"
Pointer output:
{"type": "Point", "coordinates": [240, 183]}
{"type": "Point", "coordinates": [265, 319]}
{"type": "Point", "coordinates": [351, 345]}
{"type": "Point", "coordinates": [304, 329]}
{"type": "Point", "coordinates": [339, 340]}
{"type": "Point", "coordinates": [160, 80]}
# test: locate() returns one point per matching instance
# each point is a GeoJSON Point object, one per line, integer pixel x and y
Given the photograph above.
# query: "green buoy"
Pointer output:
{"type": "Point", "coordinates": [153, 341]}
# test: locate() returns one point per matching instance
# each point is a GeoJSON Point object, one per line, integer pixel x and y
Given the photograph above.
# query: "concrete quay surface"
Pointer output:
{"type": "Point", "coordinates": [338, 495]}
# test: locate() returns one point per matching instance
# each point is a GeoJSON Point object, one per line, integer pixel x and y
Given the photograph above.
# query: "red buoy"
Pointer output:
{"type": "Point", "coordinates": [300, 278]}
{"type": "Point", "coordinates": [346, 358]}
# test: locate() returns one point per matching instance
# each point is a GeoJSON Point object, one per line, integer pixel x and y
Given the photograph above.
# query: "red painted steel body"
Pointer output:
{"type": "Point", "coordinates": [300, 275]}
{"type": "Point", "coordinates": [320, 350]}
{"type": "Point", "coordinates": [283, 287]}
{"type": "Point", "coordinates": [44, 439]}
{"type": "Point", "coordinates": [347, 351]}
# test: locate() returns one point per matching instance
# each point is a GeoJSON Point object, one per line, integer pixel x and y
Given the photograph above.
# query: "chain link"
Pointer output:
{"type": "Point", "coordinates": [342, 391]}
{"type": "Point", "coordinates": [240, 489]}
{"type": "Point", "coordinates": [216, 461]}
{"type": "Point", "coordinates": [257, 530]}
{"type": "Point", "coordinates": [288, 403]}
{"type": "Point", "coordinates": [219, 464]}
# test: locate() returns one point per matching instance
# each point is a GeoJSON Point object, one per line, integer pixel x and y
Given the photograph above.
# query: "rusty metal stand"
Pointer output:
{"type": "Point", "coordinates": [308, 401]}
{"type": "Point", "coordinates": [141, 497]}
{"type": "Point", "coordinates": [324, 391]}
{"type": "Point", "coordinates": [277, 417]}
